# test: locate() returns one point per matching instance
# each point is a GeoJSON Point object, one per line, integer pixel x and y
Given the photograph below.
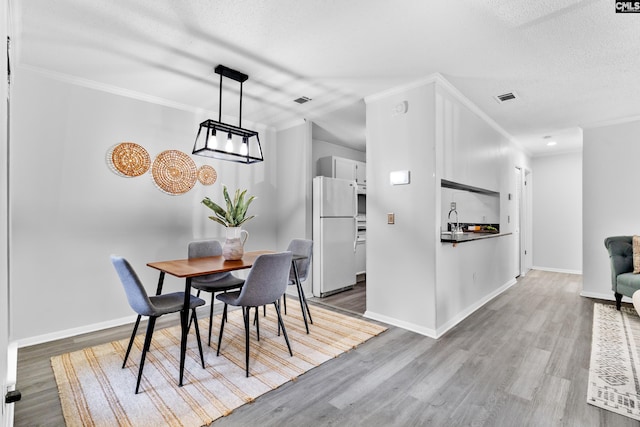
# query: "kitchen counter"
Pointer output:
{"type": "Point", "coordinates": [447, 237]}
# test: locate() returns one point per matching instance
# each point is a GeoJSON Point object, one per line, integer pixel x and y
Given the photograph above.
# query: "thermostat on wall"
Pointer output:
{"type": "Point", "coordinates": [399, 177]}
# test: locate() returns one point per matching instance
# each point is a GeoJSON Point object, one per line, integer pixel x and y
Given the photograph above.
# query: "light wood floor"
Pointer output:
{"type": "Point", "coordinates": [522, 359]}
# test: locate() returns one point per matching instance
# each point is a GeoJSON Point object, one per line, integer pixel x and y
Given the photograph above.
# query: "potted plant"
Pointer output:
{"type": "Point", "coordinates": [232, 217]}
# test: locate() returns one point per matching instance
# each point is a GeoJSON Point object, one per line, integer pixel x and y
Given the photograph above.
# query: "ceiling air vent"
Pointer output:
{"type": "Point", "coordinates": [506, 97]}
{"type": "Point", "coordinates": [302, 100]}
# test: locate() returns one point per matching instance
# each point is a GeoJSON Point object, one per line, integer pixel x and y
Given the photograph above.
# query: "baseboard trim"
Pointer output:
{"type": "Point", "coordinates": [94, 327]}
{"type": "Point", "coordinates": [606, 297]}
{"type": "Point", "coordinates": [556, 270]}
{"type": "Point", "coordinates": [473, 307]}
{"type": "Point", "coordinates": [431, 333]}
{"type": "Point", "coordinates": [437, 333]}
{"type": "Point", "coordinates": [72, 332]}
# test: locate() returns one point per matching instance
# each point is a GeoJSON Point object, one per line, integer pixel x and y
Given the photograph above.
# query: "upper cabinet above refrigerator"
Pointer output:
{"type": "Point", "coordinates": [342, 168]}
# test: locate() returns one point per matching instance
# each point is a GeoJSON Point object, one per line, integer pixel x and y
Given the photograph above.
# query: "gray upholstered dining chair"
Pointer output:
{"type": "Point", "coordinates": [265, 284]}
{"type": "Point", "coordinates": [304, 248]}
{"type": "Point", "coordinates": [151, 306]}
{"type": "Point", "coordinates": [218, 282]}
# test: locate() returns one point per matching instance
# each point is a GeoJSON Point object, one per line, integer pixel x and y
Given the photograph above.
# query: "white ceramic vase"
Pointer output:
{"type": "Point", "coordinates": [233, 247]}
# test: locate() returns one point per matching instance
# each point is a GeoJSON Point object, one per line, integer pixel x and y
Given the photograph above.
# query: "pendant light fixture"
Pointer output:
{"type": "Point", "coordinates": [227, 142]}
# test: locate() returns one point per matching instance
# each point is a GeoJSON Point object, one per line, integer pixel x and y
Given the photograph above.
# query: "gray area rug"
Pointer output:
{"type": "Point", "coordinates": [613, 371]}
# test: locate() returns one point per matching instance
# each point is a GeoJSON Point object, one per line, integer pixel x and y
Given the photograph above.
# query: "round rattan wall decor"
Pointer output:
{"type": "Point", "coordinates": [129, 159]}
{"type": "Point", "coordinates": [207, 175]}
{"type": "Point", "coordinates": [174, 172]}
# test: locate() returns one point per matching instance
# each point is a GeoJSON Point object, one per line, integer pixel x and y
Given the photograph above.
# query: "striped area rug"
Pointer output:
{"type": "Point", "coordinates": [95, 391]}
{"type": "Point", "coordinates": [614, 371]}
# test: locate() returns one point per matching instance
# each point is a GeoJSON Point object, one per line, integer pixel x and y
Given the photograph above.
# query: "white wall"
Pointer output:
{"type": "Point", "coordinates": [69, 211]}
{"type": "Point", "coordinates": [414, 280]}
{"type": "Point", "coordinates": [325, 149]}
{"type": "Point", "coordinates": [610, 206]}
{"type": "Point", "coordinates": [557, 212]}
{"type": "Point", "coordinates": [294, 185]}
{"type": "Point", "coordinates": [473, 152]}
{"type": "Point", "coordinates": [401, 257]}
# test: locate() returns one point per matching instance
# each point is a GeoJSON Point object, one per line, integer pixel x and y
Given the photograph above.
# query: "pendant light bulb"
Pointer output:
{"type": "Point", "coordinates": [244, 148]}
{"type": "Point", "coordinates": [229, 147]}
{"type": "Point", "coordinates": [213, 139]}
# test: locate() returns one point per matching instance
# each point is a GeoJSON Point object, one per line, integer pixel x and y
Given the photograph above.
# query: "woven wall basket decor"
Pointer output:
{"type": "Point", "coordinates": [129, 159]}
{"type": "Point", "coordinates": [207, 175]}
{"type": "Point", "coordinates": [174, 172]}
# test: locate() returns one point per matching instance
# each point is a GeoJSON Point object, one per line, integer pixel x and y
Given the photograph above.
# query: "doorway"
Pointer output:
{"type": "Point", "coordinates": [521, 221]}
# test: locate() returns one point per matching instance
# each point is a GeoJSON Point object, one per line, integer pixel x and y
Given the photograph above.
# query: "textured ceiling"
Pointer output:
{"type": "Point", "coordinates": [572, 63]}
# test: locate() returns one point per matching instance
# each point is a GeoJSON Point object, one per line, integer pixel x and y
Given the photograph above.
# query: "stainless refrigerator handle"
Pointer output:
{"type": "Point", "coordinates": [355, 233]}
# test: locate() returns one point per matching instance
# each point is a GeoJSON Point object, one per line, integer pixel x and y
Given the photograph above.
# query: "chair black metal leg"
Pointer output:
{"type": "Point", "coordinates": [195, 322]}
{"type": "Point", "coordinates": [304, 298]}
{"type": "Point", "coordinates": [284, 298]}
{"type": "Point", "coordinates": [189, 327]}
{"type": "Point", "coordinates": [224, 316]}
{"type": "Point", "coordinates": [145, 348]}
{"type": "Point", "coordinates": [302, 307]}
{"type": "Point", "coordinates": [133, 335]}
{"type": "Point", "coordinates": [211, 316]}
{"type": "Point", "coordinates": [257, 323]}
{"type": "Point", "coordinates": [278, 323]}
{"type": "Point", "coordinates": [246, 315]}
{"type": "Point", "coordinates": [284, 331]}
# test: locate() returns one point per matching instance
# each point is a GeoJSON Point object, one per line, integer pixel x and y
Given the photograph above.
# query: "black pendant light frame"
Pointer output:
{"type": "Point", "coordinates": [210, 129]}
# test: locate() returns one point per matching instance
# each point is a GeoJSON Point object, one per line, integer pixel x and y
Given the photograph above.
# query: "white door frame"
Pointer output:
{"type": "Point", "coordinates": [8, 353]}
{"type": "Point", "coordinates": [523, 227]}
{"type": "Point", "coordinates": [517, 265]}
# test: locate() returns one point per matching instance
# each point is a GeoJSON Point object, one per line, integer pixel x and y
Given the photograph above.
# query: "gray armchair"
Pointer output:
{"type": "Point", "coordinates": [623, 280]}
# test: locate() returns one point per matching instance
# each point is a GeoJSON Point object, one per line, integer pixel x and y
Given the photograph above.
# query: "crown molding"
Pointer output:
{"type": "Point", "coordinates": [612, 122]}
{"type": "Point", "coordinates": [131, 94]}
{"type": "Point", "coordinates": [439, 80]}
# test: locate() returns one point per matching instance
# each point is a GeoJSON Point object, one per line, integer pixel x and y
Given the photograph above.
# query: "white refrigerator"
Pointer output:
{"type": "Point", "coordinates": [335, 233]}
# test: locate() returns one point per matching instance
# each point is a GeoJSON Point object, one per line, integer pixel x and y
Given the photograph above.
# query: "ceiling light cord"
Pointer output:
{"type": "Point", "coordinates": [220, 101]}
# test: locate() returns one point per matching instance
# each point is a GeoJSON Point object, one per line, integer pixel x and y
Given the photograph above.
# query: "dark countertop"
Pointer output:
{"type": "Point", "coordinates": [446, 237]}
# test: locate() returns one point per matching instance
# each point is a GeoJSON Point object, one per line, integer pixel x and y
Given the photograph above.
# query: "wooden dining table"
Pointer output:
{"type": "Point", "coordinates": [194, 267]}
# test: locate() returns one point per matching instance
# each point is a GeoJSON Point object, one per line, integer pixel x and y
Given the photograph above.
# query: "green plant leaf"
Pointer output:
{"type": "Point", "coordinates": [235, 214]}
{"type": "Point", "coordinates": [238, 213]}
{"type": "Point", "coordinates": [218, 220]}
{"type": "Point", "coordinates": [246, 219]}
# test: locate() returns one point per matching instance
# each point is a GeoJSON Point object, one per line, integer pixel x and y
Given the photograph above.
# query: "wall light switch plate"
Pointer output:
{"type": "Point", "coordinates": [399, 177]}
{"type": "Point", "coordinates": [391, 218]}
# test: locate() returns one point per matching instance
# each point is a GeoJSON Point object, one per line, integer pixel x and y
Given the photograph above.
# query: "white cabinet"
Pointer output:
{"type": "Point", "coordinates": [340, 167]}
{"type": "Point", "coordinates": [361, 173]}
{"type": "Point", "coordinates": [344, 168]}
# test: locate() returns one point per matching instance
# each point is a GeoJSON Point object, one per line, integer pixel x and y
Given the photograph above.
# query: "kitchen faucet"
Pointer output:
{"type": "Point", "coordinates": [454, 228]}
